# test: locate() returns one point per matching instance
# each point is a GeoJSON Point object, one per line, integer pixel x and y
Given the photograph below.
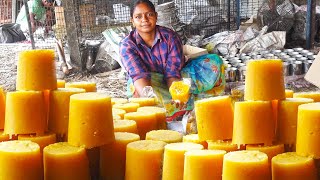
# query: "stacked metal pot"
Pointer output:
{"type": "Point", "coordinates": [297, 61]}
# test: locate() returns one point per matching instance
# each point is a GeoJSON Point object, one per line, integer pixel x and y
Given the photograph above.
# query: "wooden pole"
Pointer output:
{"type": "Point", "coordinates": [29, 23]}
{"type": "Point", "coordinates": [72, 34]}
{"type": "Point", "coordinates": [310, 24]}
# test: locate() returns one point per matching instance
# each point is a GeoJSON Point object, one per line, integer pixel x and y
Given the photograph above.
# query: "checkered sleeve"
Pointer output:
{"type": "Point", "coordinates": [132, 61]}
{"type": "Point", "coordinates": [175, 59]}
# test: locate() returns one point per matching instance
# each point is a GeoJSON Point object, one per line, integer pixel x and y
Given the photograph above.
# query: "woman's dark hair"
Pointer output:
{"type": "Point", "coordinates": [136, 3]}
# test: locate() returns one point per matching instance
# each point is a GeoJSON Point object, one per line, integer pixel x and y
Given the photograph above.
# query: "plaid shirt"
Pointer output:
{"type": "Point", "coordinates": [164, 57]}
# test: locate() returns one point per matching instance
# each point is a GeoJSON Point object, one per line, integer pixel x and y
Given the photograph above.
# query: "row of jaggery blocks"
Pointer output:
{"type": "Point", "coordinates": [260, 120]}
{"type": "Point", "coordinates": [86, 119]}
{"type": "Point", "coordinates": [27, 109]}
{"type": "Point", "coordinates": [97, 133]}
{"type": "Point", "coordinates": [220, 119]}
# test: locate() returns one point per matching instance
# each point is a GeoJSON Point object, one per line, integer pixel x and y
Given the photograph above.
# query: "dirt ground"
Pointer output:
{"type": "Point", "coordinates": [112, 82]}
{"type": "Point", "coordinates": [107, 82]}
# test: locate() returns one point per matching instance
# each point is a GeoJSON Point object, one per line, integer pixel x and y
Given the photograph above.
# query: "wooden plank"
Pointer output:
{"type": "Point", "coordinates": [14, 11]}
{"type": "Point", "coordinates": [72, 35]}
{"type": "Point", "coordinates": [25, 2]}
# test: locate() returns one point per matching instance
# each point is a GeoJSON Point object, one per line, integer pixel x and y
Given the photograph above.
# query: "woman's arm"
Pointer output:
{"type": "Point", "coordinates": [139, 85]}
{"type": "Point", "coordinates": [135, 66]}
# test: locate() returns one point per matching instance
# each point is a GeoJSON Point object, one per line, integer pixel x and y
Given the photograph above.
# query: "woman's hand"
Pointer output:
{"type": "Point", "coordinates": [171, 80]}
{"type": "Point", "coordinates": [148, 92]}
{"type": "Point", "coordinates": [178, 104]}
{"type": "Point", "coordinates": [140, 84]}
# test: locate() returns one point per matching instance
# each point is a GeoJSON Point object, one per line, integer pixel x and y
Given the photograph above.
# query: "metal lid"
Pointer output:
{"type": "Point", "coordinates": [298, 49]}
{"type": "Point", "coordinates": [303, 59]}
{"type": "Point", "coordinates": [304, 52]}
{"type": "Point", "coordinates": [293, 53]}
{"type": "Point", "coordinates": [288, 50]}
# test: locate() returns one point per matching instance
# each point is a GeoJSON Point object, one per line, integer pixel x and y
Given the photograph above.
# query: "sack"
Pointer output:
{"type": "Point", "coordinates": [10, 33]}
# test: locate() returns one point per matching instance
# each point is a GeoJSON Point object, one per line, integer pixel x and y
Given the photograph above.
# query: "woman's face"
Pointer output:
{"type": "Point", "coordinates": [144, 19]}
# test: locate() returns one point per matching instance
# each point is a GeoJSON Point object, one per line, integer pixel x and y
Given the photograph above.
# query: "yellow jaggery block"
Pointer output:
{"type": "Point", "coordinates": [173, 160]}
{"type": "Point", "coordinates": [260, 85]}
{"type": "Point", "coordinates": [42, 141]}
{"type": "Point", "coordinates": [180, 91]}
{"type": "Point", "coordinates": [119, 101]}
{"type": "Point", "coordinates": [287, 119]}
{"type": "Point", "coordinates": [194, 138]}
{"type": "Point", "coordinates": [294, 167]}
{"type": "Point", "coordinates": [20, 160]}
{"type": "Point", "coordinates": [2, 107]}
{"type": "Point", "coordinates": [214, 118]}
{"type": "Point", "coordinates": [168, 136]}
{"type": "Point", "coordinates": [274, 104]}
{"type": "Point", "coordinates": [61, 83]}
{"type": "Point", "coordinates": [120, 112]}
{"type": "Point", "coordinates": [149, 154]}
{"type": "Point", "coordinates": [125, 126]}
{"type": "Point", "coordinates": [36, 70]}
{"type": "Point", "coordinates": [308, 133]}
{"type": "Point", "coordinates": [88, 86]}
{"type": "Point", "coordinates": [143, 101]}
{"type": "Point", "coordinates": [90, 120]}
{"type": "Point", "coordinates": [65, 162]}
{"type": "Point", "coordinates": [59, 109]}
{"type": "Point", "coordinates": [46, 97]}
{"type": "Point", "coordinates": [160, 115]}
{"type": "Point", "coordinates": [128, 107]}
{"type": "Point", "coordinates": [25, 113]}
{"type": "Point", "coordinates": [116, 117]}
{"type": "Point", "coordinates": [203, 164]}
{"type": "Point", "coordinates": [271, 151]}
{"type": "Point", "coordinates": [223, 145]}
{"type": "Point", "coordinates": [250, 116]}
{"type": "Point", "coordinates": [4, 137]}
{"type": "Point", "coordinates": [146, 121]}
{"type": "Point", "coordinates": [312, 95]}
{"type": "Point", "coordinates": [289, 93]}
{"type": "Point", "coordinates": [113, 156]}
{"type": "Point", "coordinates": [246, 165]}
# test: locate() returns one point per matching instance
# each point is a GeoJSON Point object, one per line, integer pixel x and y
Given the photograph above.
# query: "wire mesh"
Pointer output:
{"type": "Point", "coordinates": [97, 15]}
{"type": "Point", "coordinates": [201, 17]}
{"type": "Point", "coordinates": [277, 15]}
{"type": "Point", "coordinates": [5, 11]}
{"type": "Point", "coordinates": [249, 8]}
{"type": "Point", "coordinates": [43, 23]}
{"type": "Point", "coordinates": [304, 2]}
{"type": "Point", "coordinates": [204, 17]}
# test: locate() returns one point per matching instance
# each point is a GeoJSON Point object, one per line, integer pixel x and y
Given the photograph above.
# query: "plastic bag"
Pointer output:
{"type": "Point", "coordinates": [10, 33]}
{"type": "Point", "coordinates": [147, 92]}
{"type": "Point", "coordinates": [205, 72]}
